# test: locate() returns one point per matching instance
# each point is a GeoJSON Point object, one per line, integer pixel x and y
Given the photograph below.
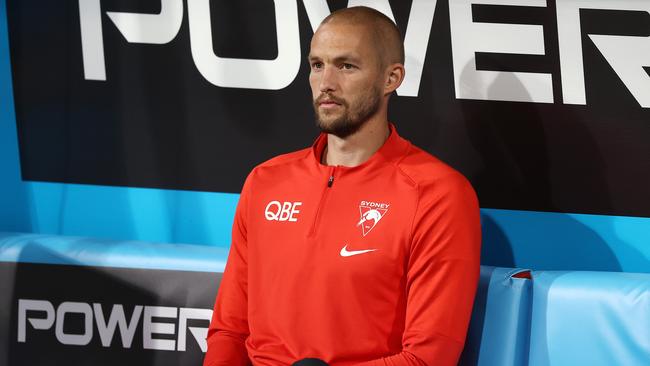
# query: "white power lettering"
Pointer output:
{"type": "Point", "coordinates": [92, 39]}
{"type": "Point", "coordinates": [468, 37]}
{"type": "Point", "coordinates": [200, 334]}
{"type": "Point", "coordinates": [136, 28]}
{"type": "Point", "coordinates": [116, 319]}
{"type": "Point", "coordinates": [242, 73]}
{"type": "Point", "coordinates": [150, 28]}
{"type": "Point", "coordinates": [626, 54]}
{"type": "Point", "coordinates": [416, 41]}
{"type": "Point", "coordinates": [25, 305]}
{"type": "Point", "coordinates": [246, 73]}
{"type": "Point", "coordinates": [74, 308]}
{"type": "Point", "coordinates": [149, 328]}
{"type": "Point", "coordinates": [317, 10]}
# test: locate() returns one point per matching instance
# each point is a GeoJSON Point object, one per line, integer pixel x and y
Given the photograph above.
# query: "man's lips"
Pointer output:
{"type": "Point", "coordinates": [328, 103]}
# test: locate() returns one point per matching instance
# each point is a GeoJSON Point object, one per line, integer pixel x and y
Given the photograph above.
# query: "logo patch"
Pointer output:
{"type": "Point", "coordinates": [371, 213]}
{"type": "Point", "coordinates": [349, 253]}
{"type": "Point", "coordinates": [282, 211]}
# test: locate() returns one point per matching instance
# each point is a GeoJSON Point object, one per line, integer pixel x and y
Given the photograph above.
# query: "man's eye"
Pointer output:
{"type": "Point", "coordinates": [317, 65]}
{"type": "Point", "coordinates": [348, 66]}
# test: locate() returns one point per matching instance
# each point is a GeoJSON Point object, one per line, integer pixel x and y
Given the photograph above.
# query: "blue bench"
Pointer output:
{"type": "Point", "coordinates": [520, 317]}
{"type": "Point", "coordinates": [559, 318]}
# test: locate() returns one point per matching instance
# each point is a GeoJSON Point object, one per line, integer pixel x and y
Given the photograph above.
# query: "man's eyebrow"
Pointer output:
{"type": "Point", "coordinates": [347, 57]}
{"type": "Point", "coordinates": [338, 59]}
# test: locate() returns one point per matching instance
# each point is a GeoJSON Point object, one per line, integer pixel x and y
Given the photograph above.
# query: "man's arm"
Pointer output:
{"type": "Point", "coordinates": [442, 276]}
{"type": "Point", "coordinates": [229, 326]}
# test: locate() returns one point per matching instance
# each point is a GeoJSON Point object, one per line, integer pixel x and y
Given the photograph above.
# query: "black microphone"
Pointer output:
{"type": "Point", "coordinates": [310, 362]}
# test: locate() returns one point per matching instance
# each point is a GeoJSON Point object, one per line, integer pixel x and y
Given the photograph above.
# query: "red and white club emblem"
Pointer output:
{"type": "Point", "coordinates": [371, 213]}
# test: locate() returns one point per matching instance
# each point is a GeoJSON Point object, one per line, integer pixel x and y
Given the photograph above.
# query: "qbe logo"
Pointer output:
{"type": "Point", "coordinates": [41, 315]}
{"type": "Point", "coordinates": [282, 211]}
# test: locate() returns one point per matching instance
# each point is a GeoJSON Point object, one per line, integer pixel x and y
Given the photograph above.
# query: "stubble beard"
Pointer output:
{"type": "Point", "coordinates": [353, 118]}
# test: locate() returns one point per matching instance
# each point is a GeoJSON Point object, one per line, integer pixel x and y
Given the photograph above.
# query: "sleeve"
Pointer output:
{"type": "Point", "coordinates": [228, 329]}
{"type": "Point", "coordinates": [442, 276]}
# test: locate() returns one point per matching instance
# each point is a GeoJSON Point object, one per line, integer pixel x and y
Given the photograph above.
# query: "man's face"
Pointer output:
{"type": "Point", "coordinates": [345, 78]}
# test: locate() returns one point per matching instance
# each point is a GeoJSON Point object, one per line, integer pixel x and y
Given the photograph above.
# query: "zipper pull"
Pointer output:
{"type": "Point", "coordinates": [330, 181]}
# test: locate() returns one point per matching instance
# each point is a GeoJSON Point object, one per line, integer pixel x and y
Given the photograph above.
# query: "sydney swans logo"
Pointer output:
{"type": "Point", "coordinates": [371, 213]}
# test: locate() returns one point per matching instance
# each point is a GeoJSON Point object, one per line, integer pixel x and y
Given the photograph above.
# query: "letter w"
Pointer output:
{"type": "Point", "coordinates": [116, 318]}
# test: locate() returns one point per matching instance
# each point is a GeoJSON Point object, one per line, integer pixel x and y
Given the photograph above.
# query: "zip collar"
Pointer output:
{"type": "Point", "coordinates": [393, 149]}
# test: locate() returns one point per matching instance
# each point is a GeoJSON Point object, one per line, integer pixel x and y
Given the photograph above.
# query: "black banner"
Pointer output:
{"type": "Point", "coordinates": [563, 126]}
{"type": "Point", "coordinates": [77, 315]}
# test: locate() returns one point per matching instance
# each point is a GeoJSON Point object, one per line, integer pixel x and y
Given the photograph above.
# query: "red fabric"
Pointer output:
{"type": "Point", "coordinates": [523, 274]}
{"type": "Point", "coordinates": [288, 292]}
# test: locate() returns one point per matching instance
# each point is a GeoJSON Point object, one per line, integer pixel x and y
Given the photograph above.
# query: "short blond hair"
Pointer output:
{"type": "Point", "coordinates": [386, 36]}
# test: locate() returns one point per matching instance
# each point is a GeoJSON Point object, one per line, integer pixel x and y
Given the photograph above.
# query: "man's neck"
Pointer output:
{"type": "Point", "coordinates": [357, 148]}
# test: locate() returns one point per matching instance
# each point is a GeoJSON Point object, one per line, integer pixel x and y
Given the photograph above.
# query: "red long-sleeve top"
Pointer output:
{"type": "Point", "coordinates": [371, 265]}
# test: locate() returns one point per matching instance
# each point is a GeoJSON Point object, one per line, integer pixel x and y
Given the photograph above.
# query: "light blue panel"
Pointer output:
{"type": "Point", "coordinates": [557, 241]}
{"type": "Point", "coordinates": [590, 318]}
{"type": "Point", "coordinates": [34, 248]}
{"type": "Point", "coordinates": [125, 213]}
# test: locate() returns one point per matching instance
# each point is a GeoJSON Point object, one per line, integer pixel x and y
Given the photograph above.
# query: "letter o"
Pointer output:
{"type": "Point", "coordinates": [79, 308]}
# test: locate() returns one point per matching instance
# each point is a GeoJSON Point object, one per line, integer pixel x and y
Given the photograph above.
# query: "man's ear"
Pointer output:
{"type": "Point", "coordinates": [394, 77]}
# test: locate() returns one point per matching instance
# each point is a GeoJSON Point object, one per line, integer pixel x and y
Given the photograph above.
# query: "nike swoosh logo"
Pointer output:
{"type": "Point", "coordinates": [346, 253]}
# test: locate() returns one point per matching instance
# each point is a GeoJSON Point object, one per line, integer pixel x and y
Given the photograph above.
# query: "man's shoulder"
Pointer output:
{"type": "Point", "coordinates": [427, 171]}
{"type": "Point", "coordinates": [284, 160]}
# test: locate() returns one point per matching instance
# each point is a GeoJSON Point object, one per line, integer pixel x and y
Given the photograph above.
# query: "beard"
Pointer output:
{"type": "Point", "coordinates": [352, 118]}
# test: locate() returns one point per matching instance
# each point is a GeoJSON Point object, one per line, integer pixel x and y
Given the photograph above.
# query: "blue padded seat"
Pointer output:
{"type": "Point", "coordinates": [590, 318]}
{"type": "Point", "coordinates": [498, 331]}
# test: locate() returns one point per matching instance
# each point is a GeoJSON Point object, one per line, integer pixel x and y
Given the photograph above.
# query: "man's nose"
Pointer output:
{"type": "Point", "coordinates": [328, 79]}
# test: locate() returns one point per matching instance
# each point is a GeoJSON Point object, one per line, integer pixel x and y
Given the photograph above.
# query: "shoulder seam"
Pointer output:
{"type": "Point", "coordinates": [399, 167]}
{"type": "Point", "coordinates": [417, 203]}
{"type": "Point", "coordinates": [412, 228]}
{"type": "Point", "coordinates": [449, 169]}
{"type": "Point", "coordinates": [271, 163]}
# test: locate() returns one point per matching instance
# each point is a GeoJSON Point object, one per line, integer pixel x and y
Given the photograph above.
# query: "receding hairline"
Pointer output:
{"type": "Point", "coordinates": [384, 31]}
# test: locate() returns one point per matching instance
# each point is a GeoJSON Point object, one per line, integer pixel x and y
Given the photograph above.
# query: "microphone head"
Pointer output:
{"type": "Point", "coordinates": [310, 362]}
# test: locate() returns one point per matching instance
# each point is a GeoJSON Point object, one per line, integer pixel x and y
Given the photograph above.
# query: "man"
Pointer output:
{"type": "Point", "coordinates": [361, 250]}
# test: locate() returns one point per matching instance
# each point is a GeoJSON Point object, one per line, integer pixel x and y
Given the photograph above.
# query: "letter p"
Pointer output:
{"type": "Point", "coordinates": [38, 323]}
{"type": "Point", "coordinates": [158, 28]}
